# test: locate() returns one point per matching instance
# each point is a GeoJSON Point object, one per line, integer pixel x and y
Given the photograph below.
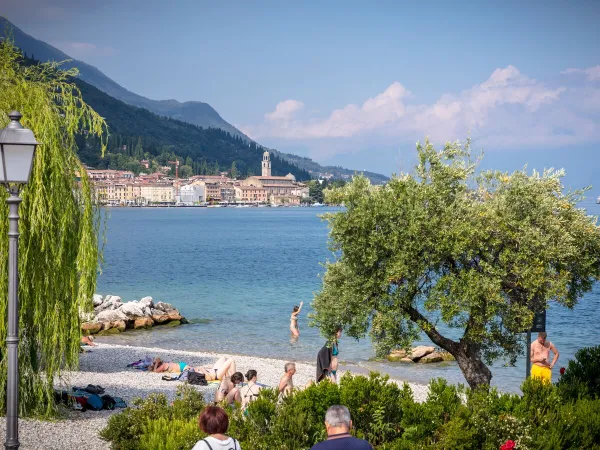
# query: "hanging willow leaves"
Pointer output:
{"type": "Point", "coordinates": [59, 227]}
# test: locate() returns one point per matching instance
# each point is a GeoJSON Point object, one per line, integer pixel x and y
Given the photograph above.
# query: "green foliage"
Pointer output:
{"type": "Point", "coordinates": [476, 252]}
{"type": "Point", "coordinates": [384, 413]}
{"type": "Point", "coordinates": [582, 376]}
{"type": "Point", "coordinates": [59, 226]}
{"type": "Point", "coordinates": [142, 425]}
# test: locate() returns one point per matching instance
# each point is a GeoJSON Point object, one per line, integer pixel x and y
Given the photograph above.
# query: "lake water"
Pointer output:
{"type": "Point", "coordinates": [238, 272]}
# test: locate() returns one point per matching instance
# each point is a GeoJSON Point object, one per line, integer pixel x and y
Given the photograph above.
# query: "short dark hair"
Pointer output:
{"type": "Point", "coordinates": [250, 374]}
{"type": "Point", "coordinates": [296, 308]}
{"type": "Point", "coordinates": [213, 420]}
{"type": "Point", "coordinates": [542, 334]}
{"type": "Point", "coordinates": [237, 377]}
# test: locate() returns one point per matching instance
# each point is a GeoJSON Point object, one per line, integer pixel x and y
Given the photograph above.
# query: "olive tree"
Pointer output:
{"type": "Point", "coordinates": [464, 257]}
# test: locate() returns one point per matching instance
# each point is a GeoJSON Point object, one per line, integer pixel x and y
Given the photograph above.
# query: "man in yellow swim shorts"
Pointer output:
{"type": "Point", "coordinates": [540, 353]}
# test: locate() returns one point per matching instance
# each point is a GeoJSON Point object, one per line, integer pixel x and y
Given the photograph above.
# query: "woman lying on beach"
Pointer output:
{"type": "Point", "coordinates": [294, 320]}
{"type": "Point", "coordinates": [159, 365]}
{"type": "Point", "coordinates": [250, 391]}
{"type": "Point", "coordinates": [228, 389]}
{"type": "Point", "coordinates": [219, 370]}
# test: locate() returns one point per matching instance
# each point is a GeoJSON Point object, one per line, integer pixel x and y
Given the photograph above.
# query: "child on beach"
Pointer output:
{"type": "Point", "coordinates": [294, 320]}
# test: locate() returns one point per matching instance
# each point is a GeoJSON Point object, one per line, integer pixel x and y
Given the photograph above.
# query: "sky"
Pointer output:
{"type": "Point", "coordinates": [357, 84]}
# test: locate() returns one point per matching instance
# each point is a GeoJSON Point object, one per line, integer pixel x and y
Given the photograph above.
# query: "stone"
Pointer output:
{"type": "Point", "coordinates": [147, 312]}
{"type": "Point", "coordinates": [97, 300]}
{"type": "Point", "coordinates": [132, 309]}
{"type": "Point", "coordinates": [146, 302]}
{"type": "Point", "coordinates": [109, 331]}
{"type": "Point", "coordinates": [166, 307]}
{"type": "Point", "coordinates": [420, 351]}
{"type": "Point", "coordinates": [432, 358]}
{"type": "Point", "coordinates": [160, 318]}
{"type": "Point", "coordinates": [143, 322]}
{"type": "Point", "coordinates": [120, 325]}
{"type": "Point", "coordinates": [156, 312]}
{"type": "Point", "coordinates": [111, 315]}
{"type": "Point", "coordinates": [110, 302]}
{"type": "Point", "coordinates": [396, 355]}
{"type": "Point", "coordinates": [407, 360]}
{"type": "Point", "coordinates": [174, 315]}
{"type": "Point", "coordinates": [173, 323]}
{"type": "Point", "coordinates": [91, 327]}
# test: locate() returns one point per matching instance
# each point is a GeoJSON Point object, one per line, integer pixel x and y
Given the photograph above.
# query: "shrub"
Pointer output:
{"type": "Point", "coordinates": [582, 376]}
{"type": "Point", "coordinates": [167, 434]}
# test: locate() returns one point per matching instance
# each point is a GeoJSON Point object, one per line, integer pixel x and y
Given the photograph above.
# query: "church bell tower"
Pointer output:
{"type": "Point", "coordinates": [266, 164]}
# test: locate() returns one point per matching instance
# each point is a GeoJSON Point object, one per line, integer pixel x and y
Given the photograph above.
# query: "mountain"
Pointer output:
{"type": "Point", "coordinates": [192, 112]}
{"type": "Point", "coordinates": [318, 171]}
{"type": "Point", "coordinates": [197, 113]}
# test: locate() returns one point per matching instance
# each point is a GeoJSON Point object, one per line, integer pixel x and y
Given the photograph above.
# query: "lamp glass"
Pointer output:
{"type": "Point", "coordinates": [17, 160]}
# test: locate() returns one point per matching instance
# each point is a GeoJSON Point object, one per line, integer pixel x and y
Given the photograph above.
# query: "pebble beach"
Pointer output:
{"type": "Point", "coordinates": [106, 365]}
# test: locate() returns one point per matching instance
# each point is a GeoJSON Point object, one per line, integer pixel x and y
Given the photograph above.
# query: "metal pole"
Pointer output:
{"type": "Point", "coordinates": [527, 355]}
{"type": "Point", "coordinates": [12, 339]}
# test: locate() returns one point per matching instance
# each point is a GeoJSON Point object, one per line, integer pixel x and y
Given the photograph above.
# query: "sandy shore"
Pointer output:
{"type": "Point", "coordinates": [106, 365]}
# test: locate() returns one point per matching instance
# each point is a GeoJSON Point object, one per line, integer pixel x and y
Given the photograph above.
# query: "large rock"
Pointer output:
{"type": "Point", "coordinates": [120, 325]}
{"type": "Point", "coordinates": [91, 327]}
{"type": "Point", "coordinates": [97, 300]}
{"type": "Point", "coordinates": [174, 315]}
{"type": "Point", "coordinates": [143, 322]}
{"type": "Point", "coordinates": [166, 307]}
{"type": "Point", "coordinates": [111, 315]}
{"type": "Point", "coordinates": [110, 302]}
{"type": "Point", "coordinates": [147, 312]}
{"type": "Point", "coordinates": [407, 360]}
{"type": "Point", "coordinates": [132, 309]}
{"type": "Point", "coordinates": [420, 351]}
{"type": "Point", "coordinates": [432, 358]}
{"type": "Point", "coordinates": [396, 355]}
{"type": "Point", "coordinates": [160, 318]}
{"type": "Point", "coordinates": [109, 331]}
{"type": "Point", "coordinates": [146, 302]}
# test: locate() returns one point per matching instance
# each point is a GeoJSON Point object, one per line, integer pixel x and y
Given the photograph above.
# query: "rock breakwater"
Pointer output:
{"type": "Point", "coordinates": [112, 316]}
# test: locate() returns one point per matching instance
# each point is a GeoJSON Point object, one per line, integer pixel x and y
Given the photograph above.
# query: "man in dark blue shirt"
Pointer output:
{"type": "Point", "coordinates": [338, 425]}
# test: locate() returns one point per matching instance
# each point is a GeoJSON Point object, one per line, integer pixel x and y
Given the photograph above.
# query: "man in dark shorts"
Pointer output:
{"type": "Point", "coordinates": [338, 425]}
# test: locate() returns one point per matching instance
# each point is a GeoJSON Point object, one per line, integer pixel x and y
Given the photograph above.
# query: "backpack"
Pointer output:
{"type": "Point", "coordinates": [108, 402]}
{"type": "Point", "coordinates": [94, 402]}
{"type": "Point", "coordinates": [197, 379]}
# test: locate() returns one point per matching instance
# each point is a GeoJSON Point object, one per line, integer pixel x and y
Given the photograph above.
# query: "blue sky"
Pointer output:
{"type": "Point", "coordinates": [357, 84]}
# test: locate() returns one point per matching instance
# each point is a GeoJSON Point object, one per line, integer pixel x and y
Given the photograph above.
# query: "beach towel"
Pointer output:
{"type": "Point", "coordinates": [323, 362]}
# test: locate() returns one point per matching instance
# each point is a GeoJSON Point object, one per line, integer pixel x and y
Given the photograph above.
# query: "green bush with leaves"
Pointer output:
{"type": "Point", "coordinates": [383, 412]}
{"type": "Point", "coordinates": [582, 375]}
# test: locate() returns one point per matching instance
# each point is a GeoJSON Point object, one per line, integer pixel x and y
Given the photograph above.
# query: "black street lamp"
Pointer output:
{"type": "Point", "coordinates": [17, 149]}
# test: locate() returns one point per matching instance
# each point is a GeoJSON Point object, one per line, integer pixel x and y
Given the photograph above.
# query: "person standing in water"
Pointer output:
{"type": "Point", "coordinates": [294, 320]}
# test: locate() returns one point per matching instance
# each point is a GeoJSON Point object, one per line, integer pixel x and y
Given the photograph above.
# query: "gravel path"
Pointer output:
{"type": "Point", "coordinates": [105, 365]}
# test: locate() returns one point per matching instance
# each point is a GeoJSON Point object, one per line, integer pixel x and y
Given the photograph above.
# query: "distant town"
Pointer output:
{"type": "Point", "coordinates": [123, 188]}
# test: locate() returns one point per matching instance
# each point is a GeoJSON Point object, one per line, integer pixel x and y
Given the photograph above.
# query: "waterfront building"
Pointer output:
{"type": "Point", "coordinates": [157, 192]}
{"type": "Point", "coordinates": [266, 164]}
{"type": "Point", "coordinates": [193, 193]}
{"type": "Point", "coordinates": [250, 194]}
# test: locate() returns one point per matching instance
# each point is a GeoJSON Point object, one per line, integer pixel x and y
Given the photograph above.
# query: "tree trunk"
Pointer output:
{"type": "Point", "coordinates": [473, 368]}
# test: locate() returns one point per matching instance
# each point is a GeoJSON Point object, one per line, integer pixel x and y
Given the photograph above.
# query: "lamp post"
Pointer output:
{"type": "Point", "coordinates": [17, 149]}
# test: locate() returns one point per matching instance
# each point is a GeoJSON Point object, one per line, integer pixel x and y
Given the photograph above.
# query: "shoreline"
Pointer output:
{"type": "Point", "coordinates": [105, 365]}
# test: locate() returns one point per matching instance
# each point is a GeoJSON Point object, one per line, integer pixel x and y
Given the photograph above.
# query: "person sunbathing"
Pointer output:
{"type": "Point", "coordinates": [228, 389]}
{"type": "Point", "coordinates": [159, 365]}
{"type": "Point", "coordinates": [88, 340]}
{"type": "Point", "coordinates": [222, 368]}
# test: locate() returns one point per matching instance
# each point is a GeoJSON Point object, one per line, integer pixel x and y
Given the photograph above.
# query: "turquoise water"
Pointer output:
{"type": "Point", "coordinates": [241, 270]}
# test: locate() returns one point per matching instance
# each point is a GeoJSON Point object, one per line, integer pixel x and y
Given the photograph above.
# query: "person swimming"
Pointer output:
{"type": "Point", "coordinates": [222, 368]}
{"type": "Point", "coordinates": [294, 320]}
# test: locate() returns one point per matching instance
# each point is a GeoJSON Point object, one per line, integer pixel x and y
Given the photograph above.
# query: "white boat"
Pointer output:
{"type": "Point", "coordinates": [598, 200]}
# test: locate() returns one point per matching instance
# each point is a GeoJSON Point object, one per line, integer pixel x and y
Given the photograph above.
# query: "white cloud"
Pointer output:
{"type": "Point", "coordinates": [284, 110]}
{"type": "Point", "coordinates": [591, 73]}
{"type": "Point", "coordinates": [507, 108]}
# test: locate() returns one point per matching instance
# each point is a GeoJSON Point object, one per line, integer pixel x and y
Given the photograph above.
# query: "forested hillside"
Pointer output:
{"type": "Point", "coordinates": [136, 134]}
